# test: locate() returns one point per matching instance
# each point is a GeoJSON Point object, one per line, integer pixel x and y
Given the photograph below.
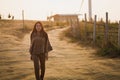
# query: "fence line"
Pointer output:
{"type": "Point", "coordinates": [102, 32]}
{"type": "Point", "coordinates": [99, 33]}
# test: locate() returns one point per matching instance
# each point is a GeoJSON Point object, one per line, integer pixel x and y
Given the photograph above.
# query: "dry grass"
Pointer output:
{"type": "Point", "coordinates": [67, 61]}
{"type": "Point", "coordinates": [12, 32]}
{"type": "Point", "coordinates": [84, 36]}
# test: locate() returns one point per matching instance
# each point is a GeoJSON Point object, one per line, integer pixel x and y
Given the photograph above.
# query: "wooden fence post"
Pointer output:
{"type": "Point", "coordinates": [72, 27]}
{"type": "Point", "coordinates": [85, 26]}
{"type": "Point", "coordinates": [94, 29]}
{"type": "Point", "coordinates": [106, 29]}
{"type": "Point", "coordinates": [119, 34]}
{"type": "Point", "coordinates": [78, 24]}
{"type": "Point", "coordinates": [23, 19]}
{"type": "Point", "coordinates": [78, 28]}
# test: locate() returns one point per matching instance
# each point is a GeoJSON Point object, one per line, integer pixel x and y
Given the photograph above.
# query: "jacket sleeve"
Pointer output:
{"type": "Point", "coordinates": [31, 45]}
{"type": "Point", "coordinates": [48, 46]}
{"type": "Point", "coordinates": [30, 49]}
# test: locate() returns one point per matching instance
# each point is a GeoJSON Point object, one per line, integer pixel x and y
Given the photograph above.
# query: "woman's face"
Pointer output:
{"type": "Point", "coordinates": [38, 27]}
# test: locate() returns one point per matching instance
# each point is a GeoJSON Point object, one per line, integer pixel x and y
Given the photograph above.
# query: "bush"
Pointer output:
{"type": "Point", "coordinates": [61, 23]}
{"type": "Point", "coordinates": [47, 26]}
{"type": "Point", "coordinates": [109, 50]}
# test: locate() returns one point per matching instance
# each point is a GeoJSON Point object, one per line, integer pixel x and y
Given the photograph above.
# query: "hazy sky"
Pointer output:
{"type": "Point", "coordinates": [40, 9]}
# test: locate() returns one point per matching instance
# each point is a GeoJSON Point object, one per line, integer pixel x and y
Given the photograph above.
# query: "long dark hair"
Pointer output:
{"type": "Point", "coordinates": [42, 32]}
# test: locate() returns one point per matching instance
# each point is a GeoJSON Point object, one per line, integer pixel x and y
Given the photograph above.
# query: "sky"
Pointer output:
{"type": "Point", "coordinates": [40, 9]}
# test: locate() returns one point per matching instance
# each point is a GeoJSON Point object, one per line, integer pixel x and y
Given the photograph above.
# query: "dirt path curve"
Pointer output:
{"type": "Point", "coordinates": [67, 61]}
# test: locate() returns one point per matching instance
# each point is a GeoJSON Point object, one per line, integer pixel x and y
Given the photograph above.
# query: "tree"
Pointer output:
{"type": "Point", "coordinates": [9, 16]}
{"type": "Point", "coordinates": [12, 17]}
{"type": "Point", "coordinates": [0, 16]}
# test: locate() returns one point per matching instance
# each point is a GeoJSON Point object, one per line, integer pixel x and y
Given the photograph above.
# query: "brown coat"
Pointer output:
{"type": "Point", "coordinates": [40, 44]}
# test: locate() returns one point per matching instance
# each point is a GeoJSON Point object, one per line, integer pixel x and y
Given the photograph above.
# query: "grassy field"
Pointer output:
{"type": "Point", "coordinates": [67, 61]}
{"type": "Point", "coordinates": [84, 35]}
{"type": "Point", "coordinates": [13, 49]}
{"type": "Point", "coordinates": [12, 31]}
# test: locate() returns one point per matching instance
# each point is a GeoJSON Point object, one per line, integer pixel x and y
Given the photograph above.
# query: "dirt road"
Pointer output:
{"type": "Point", "coordinates": [67, 61]}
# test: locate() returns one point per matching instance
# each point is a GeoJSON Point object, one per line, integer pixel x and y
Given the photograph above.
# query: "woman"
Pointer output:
{"type": "Point", "coordinates": [40, 46]}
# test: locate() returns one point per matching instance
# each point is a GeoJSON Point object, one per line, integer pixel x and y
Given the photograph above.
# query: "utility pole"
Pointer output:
{"type": "Point", "coordinates": [90, 9]}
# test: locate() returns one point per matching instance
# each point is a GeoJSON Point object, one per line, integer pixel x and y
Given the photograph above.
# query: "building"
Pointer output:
{"type": "Point", "coordinates": [64, 17]}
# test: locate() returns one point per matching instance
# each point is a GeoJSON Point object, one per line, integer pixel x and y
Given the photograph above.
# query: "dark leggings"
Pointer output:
{"type": "Point", "coordinates": [39, 63]}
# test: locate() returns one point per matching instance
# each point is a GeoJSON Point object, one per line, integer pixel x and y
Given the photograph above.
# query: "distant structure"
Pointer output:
{"type": "Point", "coordinates": [63, 17]}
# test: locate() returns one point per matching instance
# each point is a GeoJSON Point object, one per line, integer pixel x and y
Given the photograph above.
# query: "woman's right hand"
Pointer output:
{"type": "Point", "coordinates": [31, 58]}
{"type": "Point", "coordinates": [46, 56]}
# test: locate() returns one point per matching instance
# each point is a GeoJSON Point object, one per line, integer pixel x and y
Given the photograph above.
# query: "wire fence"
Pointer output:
{"type": "Point", "coordinates": [98, 32]}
